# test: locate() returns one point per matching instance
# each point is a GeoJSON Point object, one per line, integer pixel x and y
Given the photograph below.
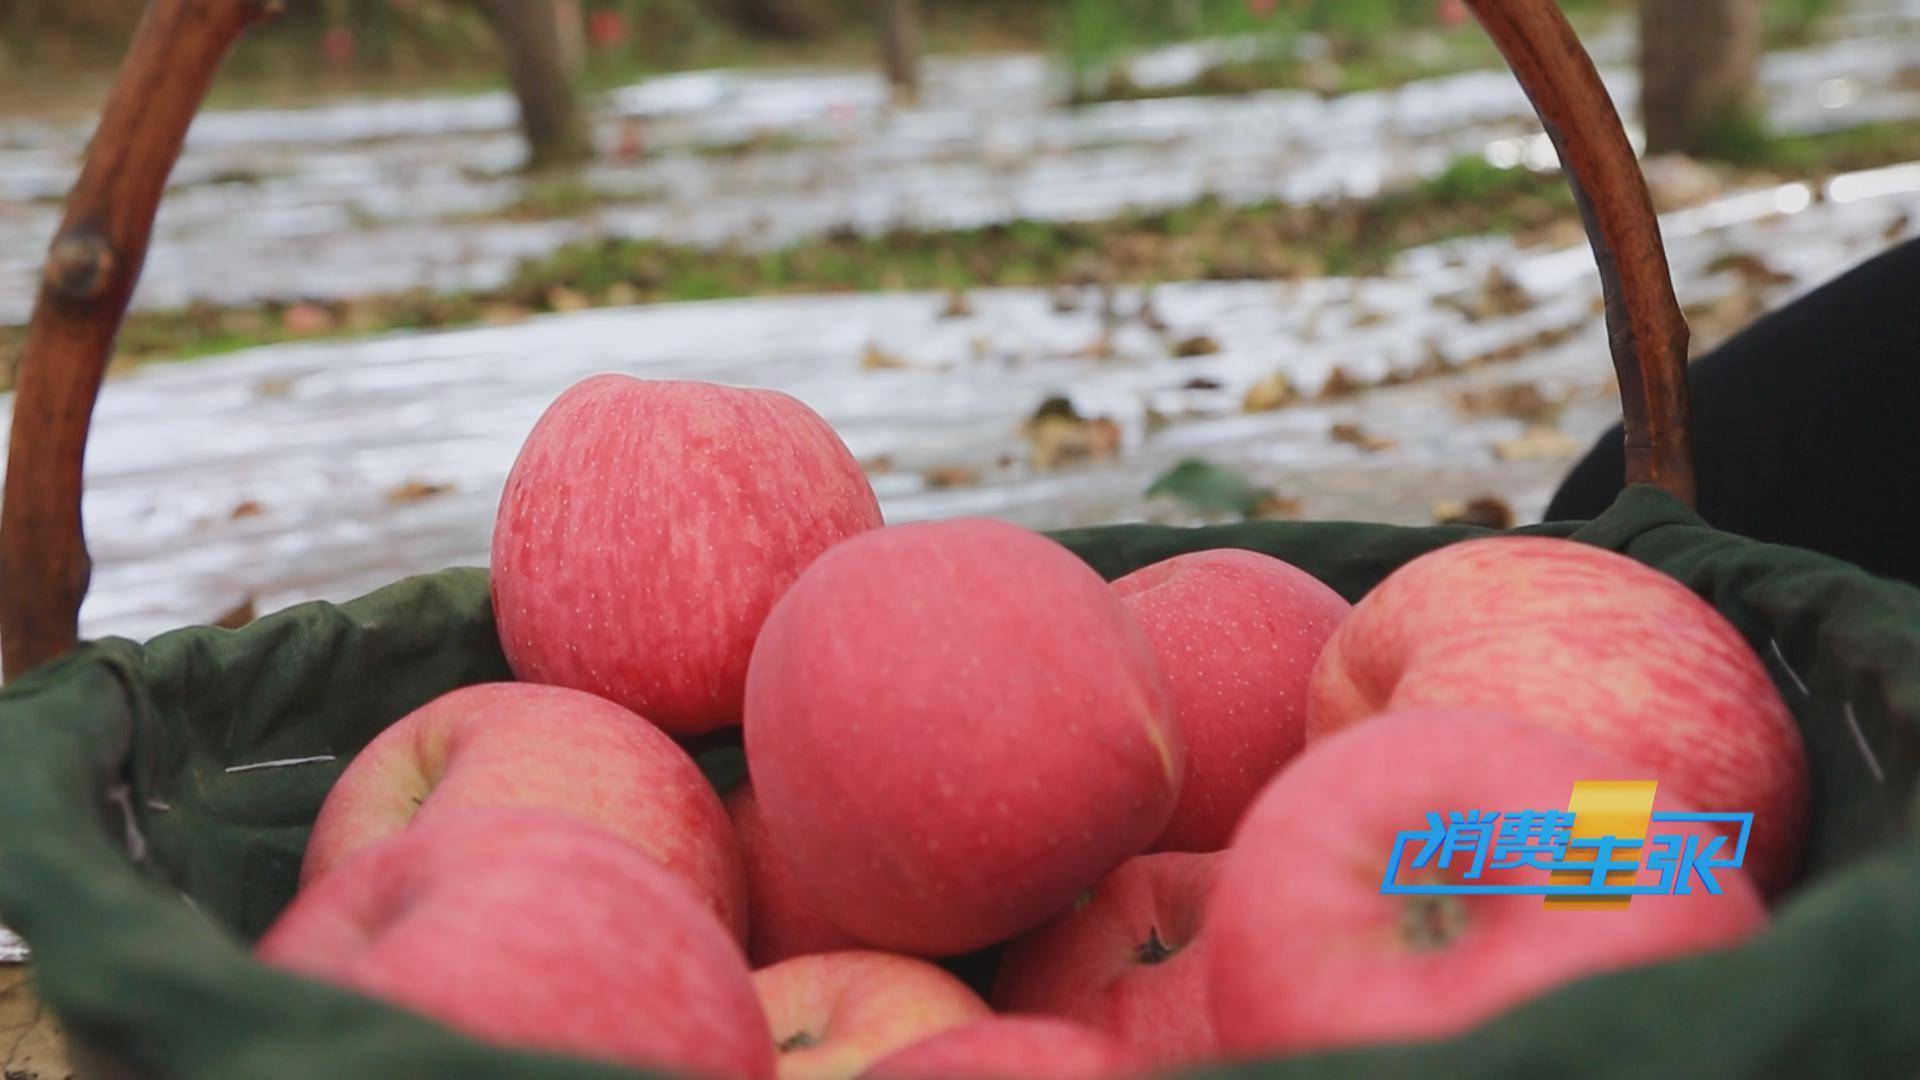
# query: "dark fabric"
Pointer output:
{"type": "Point", "coordinates": [1803, 425]}
{"type": "Point", "coordinates": [124, 745]}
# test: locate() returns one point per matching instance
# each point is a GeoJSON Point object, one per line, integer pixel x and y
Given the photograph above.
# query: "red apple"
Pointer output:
{"type": "Point", "coordinates": [1126, 960]}
{"type": "Point", "coordinates": [953, 729]}
{"type": "Point", "coordinates": [1011, 1048]}
{"type": "Point", "coordinates": [783, 923]}
{"type": "Point", "coordinates": [1237, 633]}
{"type": "Point", "coordinates": [1590, 643]}
{"type": "Point", "coordinates": [648, 527]}
{"type": "Point", "coordinates": [1305, 952]}
{"type": "Point", "coordinates": [516, 745]}
{"type": "Point", "coordinates": [533, 929]}
{"type": "Point", "coordinates": [834, 1014]}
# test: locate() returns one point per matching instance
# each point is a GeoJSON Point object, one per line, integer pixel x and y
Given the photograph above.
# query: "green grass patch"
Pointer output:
{"type": "Point", "coordinates": [1867, 146]}
{"type": "Point", "coordinates": [1206, 240]}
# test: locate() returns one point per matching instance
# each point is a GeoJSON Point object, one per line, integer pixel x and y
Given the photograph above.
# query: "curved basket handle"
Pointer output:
{"type": "Point", "coordinates": [91, 269]}
{"type": "Point", "coordinates": [1645, 330]}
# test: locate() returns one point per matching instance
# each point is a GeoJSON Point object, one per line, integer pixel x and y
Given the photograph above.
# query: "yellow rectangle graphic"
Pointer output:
{"type": "Point", "coordinates": [1616, 808]}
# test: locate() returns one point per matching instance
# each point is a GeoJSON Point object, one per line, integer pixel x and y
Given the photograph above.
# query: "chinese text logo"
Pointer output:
{"type": "Point", "coordinates": [1590, 855]}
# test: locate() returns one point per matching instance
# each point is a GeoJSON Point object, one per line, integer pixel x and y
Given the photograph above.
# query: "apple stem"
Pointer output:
{"type": "Point", "coordinates": [1432, 922]}
{"type": "Point", "coordinates": [1153, 950]}
{"type": "Point", "coordinates": [799, 1040]}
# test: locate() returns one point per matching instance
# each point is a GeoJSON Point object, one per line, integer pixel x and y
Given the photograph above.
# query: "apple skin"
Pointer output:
{"type": "Point", "coordinates": [1305, 953]}
{"type": "Point", "coordinates": [1237, 633]}
{"type": "Point", "coordinates": [1011, 1048]}
{"type": "Point", "coordinates": [783, 922]}
{"type": "Point", "coordinates": [646, 529]}
{"type": "Point", "coordinates": [1126, 960]}
{"type": "Point", "coordinates": [953, 728]}
{"type": "Point", "coordinates": [834, 1014]}
{"type": "Point", "coordinates": [1590, 643]}
{"type": "Point", "coordinates": [517, 745]}
{"type": "Point", "coordinates": [533, 929]}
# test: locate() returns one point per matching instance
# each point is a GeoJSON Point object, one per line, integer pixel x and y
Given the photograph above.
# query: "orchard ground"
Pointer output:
{"type": "Point", "coordinates": [947, 272]}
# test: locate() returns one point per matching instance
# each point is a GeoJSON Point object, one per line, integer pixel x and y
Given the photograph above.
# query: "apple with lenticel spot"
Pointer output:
{"type": "Point", "coordinates": [646, 529]}
{"type": "Point", "coordinates": [1590, 643]}
{"type": "Point", "coordinates": [1237, 633]}
{"type": "Point", "coordinates": [834, 1014]}
{"type": "Point", "coordinates": [953, 728]}
{"type": "Point", "coordinates": [1126, 959]}
{"type": "Point", "coordinates": [516, 745]}
{"type": "Point", "coordinates": [533, 929]}
{"type": "Point", "coordinates": [1306, 952]}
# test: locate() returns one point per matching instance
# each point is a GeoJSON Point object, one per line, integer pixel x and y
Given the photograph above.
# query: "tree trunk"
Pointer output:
{"type": "Point", "coordinates": [573, 35]}
{"type": "Point", "coordinates": [529, 33]}
{"type": "Point", "coordinates": [900, 48]}
{"type": "Point", "coordinates": [785, 20]}
{"type": "Point", "coordinates": [1697, 61]}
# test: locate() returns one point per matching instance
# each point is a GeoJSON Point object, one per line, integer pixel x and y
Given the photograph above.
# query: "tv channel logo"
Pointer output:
{"type": "Point", "coordinates": [1590, 855]}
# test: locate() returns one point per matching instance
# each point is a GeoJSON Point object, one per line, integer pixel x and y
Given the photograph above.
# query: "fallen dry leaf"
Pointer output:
{"type": "Point", "coordinates": [1521, 400]}
{"type": "Point", "coordinates": [875, 358]}
{"type": "Point", "coordinates": [248, 508]}
{"type": "Point", "coordinates": [877, 465]}
{"type": "Point", "coordinates": [941, 477]}
{"type": "Point", "coordinates": [1201, 382]}
{"type": "Point", "coordinates": [1268, 394]}
{"type": "Point", "coordinates": [237, 616]}
{"type": "Point", "coordinates": [1540, 443]}
{"type": "Point", "coordinates": [1197, 345]}
{"type": "Point", "coordinates": [1487, 511]}
{"type": "Point", "coordinates": [1355, 435]}
{"type": "Point", "coordinates": [561, 298]}
{"type": "Point", "coordinates": [1058, 435]}
{"type": "Point", "coordinates": [1751, 268]}
{"type": "Point", "coordinates": [1432, 365]}
{"type": "Point", "coordinates": [1341, 383]}
{"type": "Point", "coordinates": [305, 320]}
{"type": "Point", "coordinates": [1497, 295]}
{"type": "Point", "coordinates": [1713, 320]}
{"type": "Point", "coordinates": [503, 314]}
{"type": "Point", "coordinates": [957, 305]}
{"type": "Point", "coordinates": [415, 490]}
{"type": "Point", "coordinates": [1524, 347]}
{"type": "Point", "coordinates": [1100, 348]}
{"type": "Point", "coordinates": [1274, 507]}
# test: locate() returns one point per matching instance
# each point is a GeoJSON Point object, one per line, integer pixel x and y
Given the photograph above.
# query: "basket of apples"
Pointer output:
{"type": "Point", "coordinates": [714, 774]}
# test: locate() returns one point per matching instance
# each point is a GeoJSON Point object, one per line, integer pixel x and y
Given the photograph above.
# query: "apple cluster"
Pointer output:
{"type": "Point", "coordinates": [1162, 805]}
